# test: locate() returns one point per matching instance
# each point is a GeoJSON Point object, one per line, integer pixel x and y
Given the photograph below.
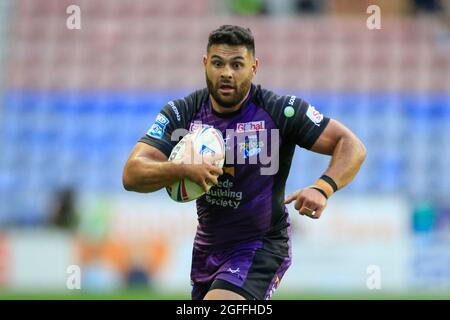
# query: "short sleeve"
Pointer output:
{"type": "Point", "coordinates": [160, 133]}
{"type": "Point", "coordinates": [303, 122]}
{"type": "Point", "coordinates": [308, 124]}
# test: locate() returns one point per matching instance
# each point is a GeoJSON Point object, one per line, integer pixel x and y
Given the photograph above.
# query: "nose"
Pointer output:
{"type": "Point", "coordinates": [227, 73]}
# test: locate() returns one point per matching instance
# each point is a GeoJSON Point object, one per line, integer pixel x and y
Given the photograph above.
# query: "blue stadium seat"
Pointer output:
{"type": "Point", "coordinates": [87, 136]}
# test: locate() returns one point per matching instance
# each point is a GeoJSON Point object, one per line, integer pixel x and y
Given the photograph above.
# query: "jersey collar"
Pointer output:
{"type": "Point", "coordinates": [234, 113]}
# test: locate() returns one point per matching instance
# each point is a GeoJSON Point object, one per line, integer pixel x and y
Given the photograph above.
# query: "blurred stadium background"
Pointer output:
{"type": "Point", "coordinates": [74, 102]}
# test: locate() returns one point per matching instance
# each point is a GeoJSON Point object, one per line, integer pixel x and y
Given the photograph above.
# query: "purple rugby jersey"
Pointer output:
{"type": "Point", "coordinates": [247, 205]}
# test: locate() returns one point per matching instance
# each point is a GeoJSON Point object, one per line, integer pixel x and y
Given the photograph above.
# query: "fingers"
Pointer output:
{"type": "Point", "coordinates": [312, 208]}
{"type": "Point", "coordinates": [299, 203]}
{"type": "Point", "coordinates": [205, 175]}
{"type": "Point", "coordinates": [189, 154]}
{"type": "Point", "coordinates": [203, 183]}
{"type": "Point", "coordinates": [215, 170]}
{"type": "Point", "coordinates": [211, 157]}
{"type": "Point", "coordinates": [213, 179]}
{"type": "Point", "coordinates": [208, 179]}
{"type": "Point", "coordinates": [217, 157]}
{"type": "Point", "coordinates": [204, 186]}
{"type": "Point", "coordinates": [290, 198]}
{"type": "Point", "coordinates": [308, 202]}
{"type": "Point", "coordinates": [309, 209]}
{"type": "Point", "coordinates": [319, 212]}
{"type": "Point", "coordinates": [295, 196]}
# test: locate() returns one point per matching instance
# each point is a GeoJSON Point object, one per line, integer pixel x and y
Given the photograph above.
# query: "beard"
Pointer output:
{"type": "Point", "coordinates": [229, 100]}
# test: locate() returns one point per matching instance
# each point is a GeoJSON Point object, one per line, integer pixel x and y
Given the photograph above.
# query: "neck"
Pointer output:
{"type": "Point", "coordinates": [218, 108]}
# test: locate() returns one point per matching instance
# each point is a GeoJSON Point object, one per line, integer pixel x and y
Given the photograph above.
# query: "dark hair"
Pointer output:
{"type": "Point", "coordinates": [233, 36]}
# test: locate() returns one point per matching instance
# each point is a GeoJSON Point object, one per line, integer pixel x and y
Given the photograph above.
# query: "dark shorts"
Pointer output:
{"type": "Point", "coordinates": [252, 270]}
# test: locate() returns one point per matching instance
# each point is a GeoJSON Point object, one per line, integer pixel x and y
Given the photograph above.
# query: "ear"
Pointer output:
{"type": "Point", "coordinates": [255, 66]}
{"type": "Point", "coordinates": [205, 59]}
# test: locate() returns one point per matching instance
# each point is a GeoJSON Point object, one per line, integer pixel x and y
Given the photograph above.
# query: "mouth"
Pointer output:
{"type": "Point", "coordinates": [226, 89]}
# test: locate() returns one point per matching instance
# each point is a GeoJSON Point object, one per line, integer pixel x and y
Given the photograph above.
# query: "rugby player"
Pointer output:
{"type": "Point", "coordinates": [242, 245]}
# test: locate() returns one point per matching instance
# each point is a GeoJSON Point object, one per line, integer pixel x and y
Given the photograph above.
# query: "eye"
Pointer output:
{"type": "Point", "coordinates": [237, 65]}
{"type": "Point", "coordinates": [216, 63]}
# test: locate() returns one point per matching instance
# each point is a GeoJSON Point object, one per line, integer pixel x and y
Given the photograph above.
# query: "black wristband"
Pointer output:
{"type": "Point", "coordinates": [330, 181]}
{"type": "Point", "coordinates": [321, 191]}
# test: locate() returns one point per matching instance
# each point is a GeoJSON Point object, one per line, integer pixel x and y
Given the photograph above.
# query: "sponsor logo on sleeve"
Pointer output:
{"type": "Point", "coordinates": [159, 127]}
{"type": "Point", "coordinates": [289, 110]}
{"type": "Point", "coordinates": [162, 119]}
{"type": "Point", "coordinates": [155, 131]}
{"type": "Point", "coordinates": [314, 115]}
{"type": "Point", "coordinates": [175, 110]}
{"type": "Point", "coordinates": [291, 101]}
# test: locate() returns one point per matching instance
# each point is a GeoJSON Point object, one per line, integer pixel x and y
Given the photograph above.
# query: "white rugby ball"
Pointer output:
{"type": "Point", "coordinates": [205, 141]}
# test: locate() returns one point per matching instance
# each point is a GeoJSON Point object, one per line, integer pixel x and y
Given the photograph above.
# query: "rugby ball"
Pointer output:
{"type": "Point", "coordinates": [204, 141]}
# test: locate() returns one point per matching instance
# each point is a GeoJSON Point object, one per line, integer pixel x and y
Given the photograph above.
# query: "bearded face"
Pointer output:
{"type": "Point", "coordinates": [229, 71]}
